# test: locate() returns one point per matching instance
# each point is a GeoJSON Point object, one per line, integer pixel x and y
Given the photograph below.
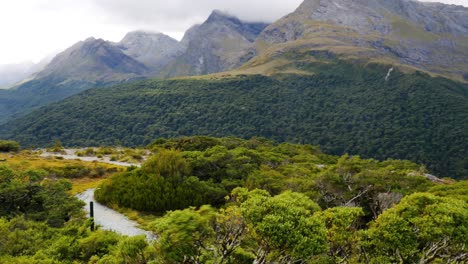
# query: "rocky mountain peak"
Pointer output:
{"type": "Point", "coordinates": [431, 37]}
{"type": "Point", "coordinates": [93, 60]}
{"type": "Point", "coordinates": [378, 15]}
{"type": "Point", "coordinates": [190, 34]}
{"type": "Point", "coordinates": [364, 16]}
{"type": "Point", "coordinates": [221, 43]}
{"type": "Point", "coordinates": [153, 49]}
{"type": "Point", "coordinates": [218, 16]}
{"type": "Point", "coordinates": [249, 30]}
{"type": "Point", "coordinates": [92, 46]}
{"type": "Point", "coordinates": [140, 36]}
{"type": "Point", "coordinates": [90, 39]}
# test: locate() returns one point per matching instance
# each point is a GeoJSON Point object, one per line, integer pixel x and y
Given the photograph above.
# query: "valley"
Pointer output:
{"type": "Point", "coordinates": [337, 133]}
{"type": "Point", "coordinates": [343, 107]}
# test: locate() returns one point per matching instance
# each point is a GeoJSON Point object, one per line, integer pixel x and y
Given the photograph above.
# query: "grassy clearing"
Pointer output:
{"type": "Point", "coordinates": [128, 155]}
{"type": "Point", "coordinates": [83, 184]}
{"type": "Point", "coordinates": [26, 160]}
{"type": "Point", "coordinates": [82, 174]}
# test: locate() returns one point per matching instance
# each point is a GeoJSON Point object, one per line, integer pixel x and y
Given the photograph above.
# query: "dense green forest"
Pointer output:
{"type": "Point", "coordinates": [33, 94]}
{"type": "Point", "coordinates": [9, 146]}
{"type": "Point", "coordinates": [342, 107]}
{"type": "Point", "coordinates": [290, 228]}
{"type": "Point", "coordinates": [40, 222]}
{"type": "Point", "coordinates": [287, 203]}
{"type": "Point", "coordinates": [241, 201]}
{"type": "Point", "coordinates": [202, 170]}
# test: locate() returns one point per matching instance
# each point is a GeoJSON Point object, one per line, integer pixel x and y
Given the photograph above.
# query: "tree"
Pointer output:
{"type": "Point", "coordinates": [47, 200]}
{"type": "Point", "coordinates": [457, 190]}
{"type": "Point", "coordinates": [9, 146]}
{"type": "Point", "coordinates": [98, 243]}
{"type": "Point", "coordinates": [284, 226]}
{"type": "Point", "coordinates": [134, 250]}
{"type": "Point", "coordinates": [167, 163]}
{"type": "Point", "coordinates": [231, 230]}
{"type": "Point", "coordinates": [422, 228]}
{"type": "Point", "coordinates": [374, 186]}
{"type": "Point", "coordinates": [342, 224]}
{"type": "Point", "coordinates": [201, 236]}
{"type": "Point", "coordinates": [185, 236]}
{"type": "Point", "coordinates": [57, 147]}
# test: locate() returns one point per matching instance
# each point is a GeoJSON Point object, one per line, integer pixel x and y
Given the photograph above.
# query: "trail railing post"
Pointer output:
{"type": "Point", "coordinates": [91, 215]}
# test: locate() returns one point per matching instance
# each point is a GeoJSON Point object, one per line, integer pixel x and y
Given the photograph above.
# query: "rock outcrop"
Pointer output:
{"type": "Point", "coordinates": [154, 50]}
{"type": "Point", "coordinates": [221, 43]}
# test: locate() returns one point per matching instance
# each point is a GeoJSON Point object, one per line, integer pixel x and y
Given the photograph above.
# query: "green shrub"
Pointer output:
{"type": "Point", "coordinates": [9, 146]}
{"type": "Point", "coordinates": [89, 152]}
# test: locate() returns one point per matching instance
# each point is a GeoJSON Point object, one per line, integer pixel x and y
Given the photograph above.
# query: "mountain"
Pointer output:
{"type": "Point", "coordinates": [93, 60]}
{"type": "Point", "coordinates": [382, 79]}
{"type": "Point", "coordinates": [154, 50]}
{"type": "Point", "coordinates": [221, 43]}
{"type": "Point", "coordinates": [89, 63]}
{"type": "Point", "coordinates": [344, 107]}
{"type": "Point", "coordinates": [12, 74]}
{"type": "Point", "coordinates": [431, 37]}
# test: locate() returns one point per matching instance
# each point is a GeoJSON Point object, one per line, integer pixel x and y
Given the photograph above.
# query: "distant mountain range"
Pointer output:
{"type": "Point", "coordinates": [430, 37]}
{"type": "Point", "coordinates": [221, 43]}
{"type": "Point", "coordinates": [12, 74]}
{"type": "Point", "coordinates": [390, 79]}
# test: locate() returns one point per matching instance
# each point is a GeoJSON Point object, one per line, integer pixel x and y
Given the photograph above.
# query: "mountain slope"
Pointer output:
{"type": "Point", "coordinates": [93, 60]}
{"type": "Point", "coordinates": [11, 74]}
{"type": "Point", "coordinates": [154, 50]}
{"type": "Point", "coordinates": [342, 107]}
{"type": "Point", "coordinates": [89, 63]}
{"type": "Point", "coordinates": [427, 36]}
{"type": "Point", "coordinates": [221, 43]}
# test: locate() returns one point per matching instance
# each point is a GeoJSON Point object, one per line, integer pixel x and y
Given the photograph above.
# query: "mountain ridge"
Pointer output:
{"type": "Point", "coordinates": [153, 49]}
{"type": "Point", "coordinates": [94, 60]}
{"type": "Point", "coordinates": [427, 37]}
{"type": "Point", "coordinates": [140, 54]}
{"type": "Point", "coordinates": [223, 42]}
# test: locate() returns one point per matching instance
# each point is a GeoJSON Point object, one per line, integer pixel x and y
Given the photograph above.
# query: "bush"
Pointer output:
{"type": "Point", "coordinates": [9, 146]}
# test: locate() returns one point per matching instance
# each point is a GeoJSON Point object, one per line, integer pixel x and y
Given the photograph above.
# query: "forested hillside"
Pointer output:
{"type": "Point", "coordinates": [201, 170]}
{"type": "Point", "coordinates": [289, 203]}
{"type": "Point", "coordinates": [241, 201]}
{"type": "Point", "coordinates": [343, 107]}
{"type": "Point", "coordinates": [37, 93]}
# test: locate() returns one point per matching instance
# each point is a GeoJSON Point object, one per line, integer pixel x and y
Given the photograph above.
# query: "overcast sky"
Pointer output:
{"type": "Point", "coordinates": [32, 29]}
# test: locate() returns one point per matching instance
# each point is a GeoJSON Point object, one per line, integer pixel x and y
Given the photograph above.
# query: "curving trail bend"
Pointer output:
{"type": "Point", "coordinates": [109, 219]}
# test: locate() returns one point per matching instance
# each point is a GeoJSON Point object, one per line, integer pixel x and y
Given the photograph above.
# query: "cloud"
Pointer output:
{"type": "Point", "coordinates": [178, 15]}
{"type": "Point", "coordinates": [33, 28]}
{"type": "Point", "coordinates": [452, 2]}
